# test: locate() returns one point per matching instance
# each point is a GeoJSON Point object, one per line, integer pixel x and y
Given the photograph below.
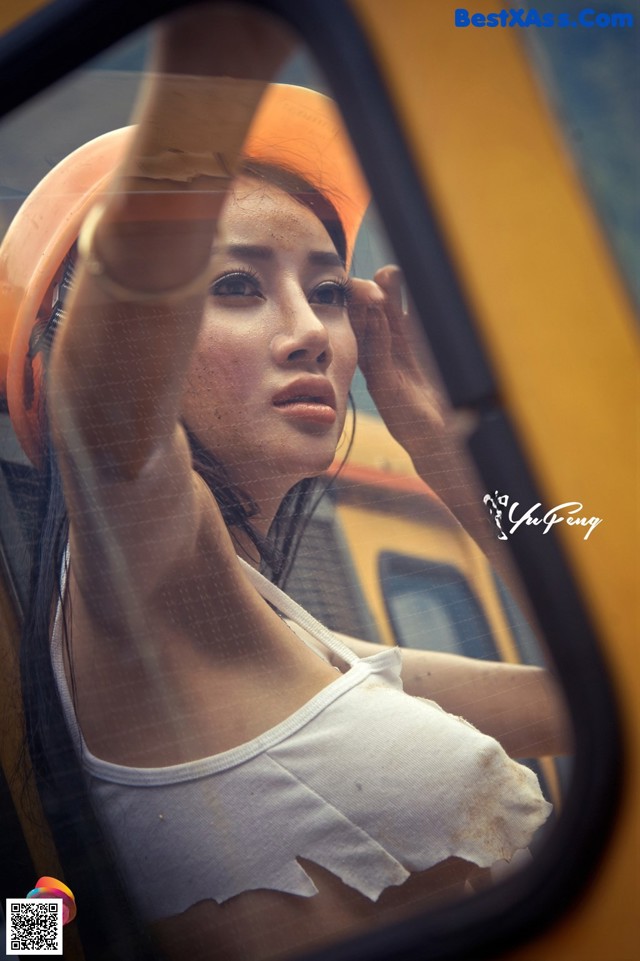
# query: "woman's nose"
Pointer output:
{"type": "Point", "coordinates": [304, 339]}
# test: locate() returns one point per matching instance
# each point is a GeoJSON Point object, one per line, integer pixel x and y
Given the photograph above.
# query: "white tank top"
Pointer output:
{"type": "Point", "coordinates": [366, 781]}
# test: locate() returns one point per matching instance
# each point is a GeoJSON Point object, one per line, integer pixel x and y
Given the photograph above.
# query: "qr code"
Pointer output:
{"type": "Point", "coordinates": [34, 926]}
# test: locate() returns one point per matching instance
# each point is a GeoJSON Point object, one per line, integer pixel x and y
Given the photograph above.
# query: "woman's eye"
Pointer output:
{"type": "Point", "coordinates": [235, 285]}
{"type": "Point", "coordinates": [331, 294]}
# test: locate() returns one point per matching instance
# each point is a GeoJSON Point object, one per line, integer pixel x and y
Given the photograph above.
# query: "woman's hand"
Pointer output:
{"type": "Point", "coordinates": [399, 372]}
{"type": "Point", "coordinates": [404, 383]}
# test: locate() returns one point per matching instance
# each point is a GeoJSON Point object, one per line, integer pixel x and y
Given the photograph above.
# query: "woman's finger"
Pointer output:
{"type": "Point", "coordinates": [366, 300]}
{"type": "Point", "coordinates": [390, 280]}
{"type": "Point", "coordinates": [365, 293]}
{"type": "Point", "coordinates": [408, 336]}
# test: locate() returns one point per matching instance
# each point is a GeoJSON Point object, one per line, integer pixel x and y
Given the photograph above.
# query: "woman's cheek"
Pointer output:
{"type": "Point", "coordinates": [348, 354]}
{"type": "Point", "coordinates": [219, 358]}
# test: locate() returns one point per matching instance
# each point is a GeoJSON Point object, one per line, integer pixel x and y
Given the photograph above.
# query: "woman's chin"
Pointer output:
{"type": "Point", "coordinates": [318, 455]}
{"type": "Point", "coordinates": [272, 468]}
{"type": "Point", "coordinates": [297, 468]}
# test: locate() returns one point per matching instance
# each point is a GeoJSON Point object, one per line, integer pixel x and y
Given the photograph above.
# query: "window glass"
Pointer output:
{"type": "Point", "coordinates": [392, 547]}
{"type": "Point", "coordinates": [432, 607]}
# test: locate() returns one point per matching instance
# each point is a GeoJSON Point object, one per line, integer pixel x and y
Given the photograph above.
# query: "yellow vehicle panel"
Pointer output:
{"type": "Point", "coordinates": [559, 327]}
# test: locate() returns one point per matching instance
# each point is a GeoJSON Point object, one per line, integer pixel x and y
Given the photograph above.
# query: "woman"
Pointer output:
{"type": "Point", "coordinates": [265, 790]}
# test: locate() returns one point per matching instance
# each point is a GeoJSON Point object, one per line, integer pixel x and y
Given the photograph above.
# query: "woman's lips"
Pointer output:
{"type": "Point", "coordinates": [308, 399]}
{"type": "Point", "coordinates": [308, 410]}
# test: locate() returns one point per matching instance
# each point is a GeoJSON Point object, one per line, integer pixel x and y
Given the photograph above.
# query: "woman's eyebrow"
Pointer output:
{"type": "Point", "coordinates": [324, 258]}
{"type": "Point", "coordinates": [317, 258]}
{"type": "Point", "coordinates": [248, 251]}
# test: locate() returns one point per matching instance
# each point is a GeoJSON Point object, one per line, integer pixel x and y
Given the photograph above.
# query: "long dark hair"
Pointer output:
{"type": "Point", "coordinates": [108, 926]}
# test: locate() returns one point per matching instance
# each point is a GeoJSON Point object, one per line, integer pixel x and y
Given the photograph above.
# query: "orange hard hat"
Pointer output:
{"type": "Point", "coordinates": [294, 128]}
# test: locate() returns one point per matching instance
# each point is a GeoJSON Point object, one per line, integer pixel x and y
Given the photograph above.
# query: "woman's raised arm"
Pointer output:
{"type": "Point", "coordinates": [520, 705]}
{"type": "Point", "coordinates": [118, 364]}
{"type": "Point", "coordinates": [403, 380]}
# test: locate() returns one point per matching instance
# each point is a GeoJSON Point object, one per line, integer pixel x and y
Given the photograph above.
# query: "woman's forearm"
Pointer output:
{"type": "Point", "coordinates": [521, 706]}
{"type": "Point", "coordinates": [403, 380]}
{"type": "Point", "coordinates": [118, 365]}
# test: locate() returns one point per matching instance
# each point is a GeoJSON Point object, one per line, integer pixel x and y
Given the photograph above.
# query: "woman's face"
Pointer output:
{"type": "Point", "coordinates": [268, 384]}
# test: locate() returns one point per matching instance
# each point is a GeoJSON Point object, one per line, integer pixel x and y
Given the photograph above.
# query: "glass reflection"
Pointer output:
{"type": "Point", "coordinates": [187, 325]}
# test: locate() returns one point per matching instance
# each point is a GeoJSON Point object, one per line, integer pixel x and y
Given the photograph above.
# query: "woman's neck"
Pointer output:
{"type": "Point", "coordinates": [260, 522]}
